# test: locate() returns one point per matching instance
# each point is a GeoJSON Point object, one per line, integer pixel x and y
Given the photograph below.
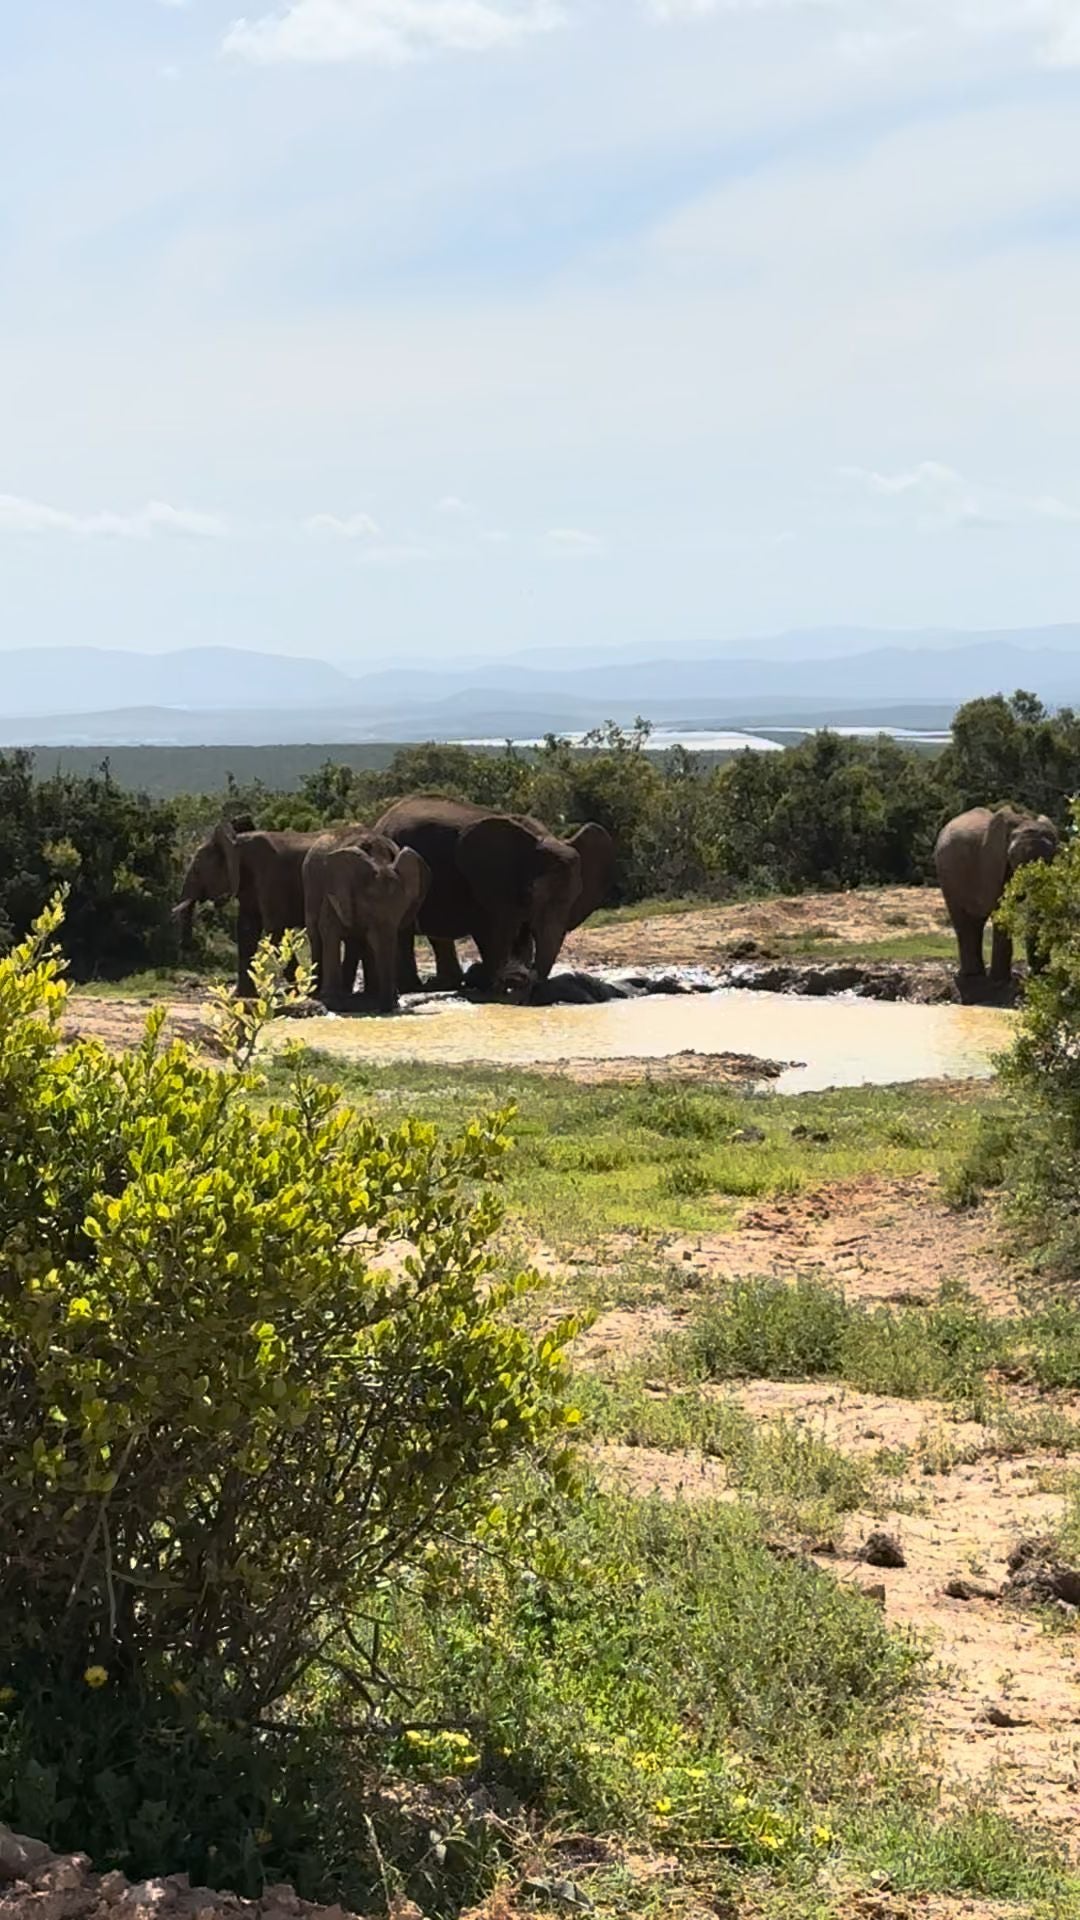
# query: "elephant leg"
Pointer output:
{"type": "Point", "coordinates": [315, 945]}
{"type": "Point", "coordinates": [969, 939]}
{"type": "Point", "coordinates": [409, 979]}
{"type": "Point", "coordinates": [448, 975]}
{"type": "Point", "coordinates": [352, 963]}
{"type": "Point", "coordinates": [331, 988]}
{"type": "Point", "coordinates": [248, 935]}
{"type": "Point", "coordinates": [1001, 956]}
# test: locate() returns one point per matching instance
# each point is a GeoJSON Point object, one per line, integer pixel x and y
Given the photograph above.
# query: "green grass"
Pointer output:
{"type": "Point", "coordinates": [654, 908]}
{"type": "Point", "coordinates": [894, 947]}
{"type": "Point", "coordinates": [658, 1156]}
{"type": "Point", "coordinates": [156, 983]}
{"type": "Point", "coordinates": [767, 1329]}
{"type": "Point", "coordinates": [793, 1477]}
{"type": "Point", "coordinates": [670, 1679]}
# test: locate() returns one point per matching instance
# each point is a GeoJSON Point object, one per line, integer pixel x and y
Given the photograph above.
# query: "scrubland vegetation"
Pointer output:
{"type": "Point", "coordinates": [827, 813]}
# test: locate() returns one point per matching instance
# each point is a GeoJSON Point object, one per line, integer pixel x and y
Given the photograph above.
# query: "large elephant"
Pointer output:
{"type": "Point", "coordinates": [506, 882]}
{"type": "Point", "coordinates": [263, 872]}
{"type": "Point", "coordinates": [976, 855]}
{"type": "Point", "coordinates": [358, 894]}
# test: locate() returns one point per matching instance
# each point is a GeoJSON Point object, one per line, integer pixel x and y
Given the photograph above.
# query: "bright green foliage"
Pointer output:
{"type": "Point", "coordinates": [1042, 1166]}
{"type": "Point", "coordinates": [666, 1677]}
{"type": "Point", "coordinates": [251, 1360]}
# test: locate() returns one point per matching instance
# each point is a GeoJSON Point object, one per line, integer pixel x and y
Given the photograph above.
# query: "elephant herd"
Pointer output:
{"type": "Point", "coordinates": [443, 868]}
{"type": "Point", "coordinates": [453, 871]}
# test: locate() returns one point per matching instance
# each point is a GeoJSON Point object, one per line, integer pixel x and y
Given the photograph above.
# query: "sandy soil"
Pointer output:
{"type": "Point", "coordinates": [706, 936]}
{"type": "Point", "coordinates": [958, 1510]}
{"type": "Point", "coordinates": [881, 1240]}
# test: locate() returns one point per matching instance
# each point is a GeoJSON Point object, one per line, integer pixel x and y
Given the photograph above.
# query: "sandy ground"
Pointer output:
{"type": "Point", "coordinates": [959, 1508]}
{"type": "Point", "coordinates": [706, 936]}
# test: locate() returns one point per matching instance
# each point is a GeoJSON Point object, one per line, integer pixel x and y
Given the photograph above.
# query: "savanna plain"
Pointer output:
{"type": "Point", "coordinates": [796, 1637]}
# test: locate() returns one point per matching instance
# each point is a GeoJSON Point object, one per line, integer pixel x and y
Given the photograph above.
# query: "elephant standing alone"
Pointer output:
{"type": "Point", "coordinates": [507, 883]}
{"type": "Point", "coordinates": [976, 855]}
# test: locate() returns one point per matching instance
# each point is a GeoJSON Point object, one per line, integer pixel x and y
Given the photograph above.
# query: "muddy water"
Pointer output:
{"type": "Point", "coordinates": [842, 1042]}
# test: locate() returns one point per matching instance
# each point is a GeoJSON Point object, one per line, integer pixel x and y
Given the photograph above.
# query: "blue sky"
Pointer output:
{"type": "Point", "coordinates": [376, 329]}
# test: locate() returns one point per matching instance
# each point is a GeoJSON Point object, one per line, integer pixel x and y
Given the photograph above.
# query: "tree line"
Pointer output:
{"type": "Point", "coordinates": [830, 812]}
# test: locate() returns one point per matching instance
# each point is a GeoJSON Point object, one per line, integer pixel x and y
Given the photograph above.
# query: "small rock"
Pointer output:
{"type": "Point", "coordinates": [883, 1550]}
{"type": "Point", "coordinates": [748, 1136]}
{"type": "Point", "coordinates": [999, 1716]}
{"type": "Point", "coordinates": [21, 1857]}
{"type": "Point", "coordinates": [968, 1590]}
{"type": "Point", "coordinates": [877, 1595]}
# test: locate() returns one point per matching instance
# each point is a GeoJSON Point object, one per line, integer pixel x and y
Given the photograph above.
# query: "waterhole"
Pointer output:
{"type": "Point", "coordinates": [838, 1042]}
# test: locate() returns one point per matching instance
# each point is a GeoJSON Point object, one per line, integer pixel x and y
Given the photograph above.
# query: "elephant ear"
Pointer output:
{"type": "Point", "coordinates": [349, 870]}
{"type": "Point", "coordinates": [224, 840]}
{"type": "Point", "coordinates": [498, 859]}
{"type": "Point", "coordinates": [415, 875]}
{"type": "Point", "coordinates": [595, 849]}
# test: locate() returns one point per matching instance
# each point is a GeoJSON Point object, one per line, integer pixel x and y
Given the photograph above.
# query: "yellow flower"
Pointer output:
{"type": "Point", "coordinates": [823, 1836]}
{"type": "Point", "coordinates": [663, 1806]}
{"type": "Point", "coordinates": [7, 1695]}
{"type": "Point", "coordinates": [772, 1841]}
{"type": "Point", "coordinates": [95, 1676]}
{"type": "Point", "coordinates": [80, 1310]}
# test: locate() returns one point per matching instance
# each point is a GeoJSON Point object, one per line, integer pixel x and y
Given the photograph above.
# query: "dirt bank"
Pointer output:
{"type": "Point", "coordinates": [707, 936]}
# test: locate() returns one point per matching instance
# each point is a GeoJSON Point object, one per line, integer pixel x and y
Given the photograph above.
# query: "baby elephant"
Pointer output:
{"type": "Point", "coordinates": [360, 893]}
{"type": "Point", "coordinates": [976, 856]}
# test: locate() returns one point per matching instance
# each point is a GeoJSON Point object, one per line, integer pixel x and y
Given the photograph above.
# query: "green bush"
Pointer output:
{"type": "Point", "coordinates": [768, 1330]}
{"type": "Point", "coordinates": [253, 1360]}
{"type": "Point", "coordinates": [1042, 1163]}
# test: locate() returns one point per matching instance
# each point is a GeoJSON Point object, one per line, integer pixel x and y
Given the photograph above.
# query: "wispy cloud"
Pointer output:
{"type": "Point", "coordinates": [872, 29]}
{"type": "Point", "coordinates": [353, 526]}
{"type": "Point", "coordinates": [573, 540]}
{"type": "Point", "coordinates": [387, 31]}
{"type": "Point", "coordinates": [943, 499]}
{"type": "Point", "coordinates": [18, 515]}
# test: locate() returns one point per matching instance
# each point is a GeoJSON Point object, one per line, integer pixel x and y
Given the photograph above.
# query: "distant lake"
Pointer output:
{"type": "Point", "coordinates": [701, 742]}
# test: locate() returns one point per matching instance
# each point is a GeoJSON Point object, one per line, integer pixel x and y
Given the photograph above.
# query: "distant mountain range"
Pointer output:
{"type": "Point", "coordinates": [54, 696]}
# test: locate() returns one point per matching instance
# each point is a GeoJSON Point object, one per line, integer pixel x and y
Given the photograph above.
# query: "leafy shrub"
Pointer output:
{"type": "Point", "coordinates": [228, 1420]}
{"type": "Point", "coordinates": [766, 1329]}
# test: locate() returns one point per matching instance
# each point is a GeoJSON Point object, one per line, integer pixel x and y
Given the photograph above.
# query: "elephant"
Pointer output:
{"type": "Point", "coordinates": [976, 855]}
{"type": "Point", "coordinates": [262, 871]}
{"type": "Point", "coordinates": [504, 880]}
{"type": "Point", "coordinates": [358, 894]}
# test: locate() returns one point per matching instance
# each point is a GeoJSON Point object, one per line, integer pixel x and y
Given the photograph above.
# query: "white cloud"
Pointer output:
{"type": "Point", "coordinates": [943, 499]}
{"type": "Point", "coordinates": [573, 540]}
{"type": "Point", "coordinates": [18, 515]}
{"type": "Point", "coordinates": [356, 526]}
{"type": "Point", "coordinates": [459, 509]}
{"type": "Point", "coordinates": [869, 30]}
{"type": "Point", "coordinates": [388, 31]}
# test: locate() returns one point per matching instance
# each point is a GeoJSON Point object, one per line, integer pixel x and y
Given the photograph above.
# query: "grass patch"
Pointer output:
{"type": "Point", "coordinates": [769, 1330]}
{"type": "Point", "coordinates": [975, 1851]}
{"type": "Point", "coordinates": [895, 947]}
{"type": "Point", "coordinates": [672, 1680]}
{"type": "Point", "coordinates": [794, 1477]}
{"type": "Point", "coordinates": [590, 1160]}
